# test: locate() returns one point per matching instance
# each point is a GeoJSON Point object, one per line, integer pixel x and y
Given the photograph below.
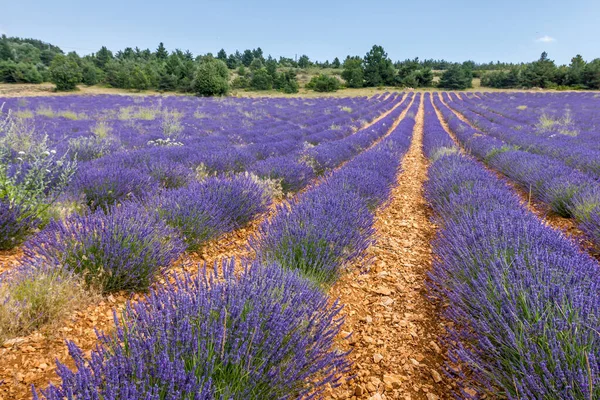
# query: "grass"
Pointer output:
{"type": "Point", "coordinates": [38, 298]}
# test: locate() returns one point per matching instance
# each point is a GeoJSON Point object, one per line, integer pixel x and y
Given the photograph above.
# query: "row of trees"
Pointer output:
{"type": "Point", "coordinates": [544, 73]}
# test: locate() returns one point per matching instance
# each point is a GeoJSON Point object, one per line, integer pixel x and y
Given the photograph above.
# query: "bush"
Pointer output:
{"type": "Point", "coordinates": [17, 221]}
{"type": "Point", "coordinates": [323, 83]}
{"type": "Point", "coordinates": [36, 295]}
{"type": "Point", "coordinates": [287, 82]}
{"type": "Point", "coordinates": [211, 78]}
{"type": "Point", "coordinates": [456, 78]}
{"type": "Point", "coordinates": [240, 82]}
{"type": "Point", "coordinates": [203, 211]}
{"type": "Point", "coordinates": [104, 186]}
{"type": "Point", "coordinates": [316, 235]}
{"type": "Point", "coordinates": [354, 73]}
{"type": "Point", "coordinates": [31, 179]}
{"type": "Point", "coordinates": [267, 334]}
{"type": "Point", "coordinates": [122, 249]}
{"type": "Point", "coordinates": [65, 73]}
{"type": "Point", "coordinates": [261, 80]}
{"type": "Point", "coordinates": [12, 72]}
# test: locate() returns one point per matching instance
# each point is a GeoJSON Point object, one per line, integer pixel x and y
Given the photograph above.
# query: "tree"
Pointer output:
{"type": "Point", "coordinates": [232, 62]}
{"type": "Point", "coordinates": [161, 53]}
{"type": "Point", "coordinates": [139, 79]}
{"type": "Point", "coordinates": [456, 78]}
{"type": "Point", "coordinates": [6, 53]}
{"type": "Point", "coordinates": [222, 55]}
{"type": "Point", "coordinates": [304, 61]}
{"type": "Point", "coordinates": [256, 64]}
{"type": "Point", "coordinates": [323, 83]}
{"type": "Point", "coordinates": [211, 78]}
{"type": "Point", "coordinates": [65, 73]}
{"type": "Point", "coordinates": [103, 56]}
{"type": "Point", "coordinates": [247, 58]}
{"type": "Point", "coordinates": [540, 73]}
{"type": "Point", "coordinates": [591, 74]}
{"type": "Point", "coordinates": [286, 82]}
{"type": "Point", "coordinates": [271, 66]}
{"type": "Point", "coordinates": [261, 80]}
{"type": "Point", "coordinates": [90, 74]}
{"type": "Point", "coordinates": [353, 72]}
{"type": "Point", "coordinates": [379, 69]}
{"type": "Point", "coordinates": [575, 71]}
{"type": "Point", "coordinates": [336, 63]}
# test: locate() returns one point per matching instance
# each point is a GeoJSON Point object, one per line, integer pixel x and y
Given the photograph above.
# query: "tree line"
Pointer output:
{"type": "Point", "coordinates": [34, 61]}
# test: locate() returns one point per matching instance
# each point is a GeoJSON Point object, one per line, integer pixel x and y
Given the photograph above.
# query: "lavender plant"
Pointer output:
{"type": "Point", "coordinates": [120, 249]}
{"type": "Point", "coordinates": [268, 334]}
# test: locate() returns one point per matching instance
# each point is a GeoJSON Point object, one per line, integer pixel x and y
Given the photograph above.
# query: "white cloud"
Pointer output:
{"type": "Point", "coordinates": [545, 39]}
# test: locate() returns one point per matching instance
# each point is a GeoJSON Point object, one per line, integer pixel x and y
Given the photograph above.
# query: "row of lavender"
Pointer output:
{"type": "Point", "coordinates": [137, 172]}
{"type": "Point", "coordinates": [567, 191]}
{"type": "Point", "coordinates": [569, 133]}
{"type": "Point", "coordinates": [268, 333]}
{"type": "Point", "coordinates": [523, 299]}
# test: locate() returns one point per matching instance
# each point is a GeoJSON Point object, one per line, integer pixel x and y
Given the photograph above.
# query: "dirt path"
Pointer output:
{"type": "Point", "coordinates": [567, 225]}
{"type": "Point", "coordinates": [31, 359]}
{"type": "Point", "coordinates": [396, 348]}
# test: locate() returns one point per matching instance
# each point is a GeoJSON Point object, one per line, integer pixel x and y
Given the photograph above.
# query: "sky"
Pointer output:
{"type": "Point", "coordinates": [455, 30]}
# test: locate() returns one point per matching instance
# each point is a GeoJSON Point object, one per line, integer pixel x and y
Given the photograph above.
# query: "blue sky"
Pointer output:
{"type": "Point", "coordinates": [456, 30]}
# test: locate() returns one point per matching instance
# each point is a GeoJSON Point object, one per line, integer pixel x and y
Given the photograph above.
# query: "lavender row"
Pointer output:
{"type": "Point", "coordinates": [522, 298]}
{"type": "Point", "coordinates": [268, 334]}
{"type": "Point", "coordinates": [567, 191]}
{"type": "Point", "coordinates": [325, 228]}
{"type": "Point", "coordinates": [559, 137]}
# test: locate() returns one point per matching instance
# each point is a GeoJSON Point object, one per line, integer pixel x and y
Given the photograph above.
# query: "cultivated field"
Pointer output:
{"type": "Point", "coordinates": [408, 245]}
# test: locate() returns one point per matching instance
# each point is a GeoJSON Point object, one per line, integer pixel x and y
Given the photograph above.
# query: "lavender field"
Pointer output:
{"type": "Point", "coordinates": [171, 247]}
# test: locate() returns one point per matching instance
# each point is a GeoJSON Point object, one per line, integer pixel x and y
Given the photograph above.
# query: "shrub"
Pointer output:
{"type": "Point", "coordinates": [107, 185]}
{"type": "Point", "coordinates": [65, 73]}
{"type": "Point", "coordinates": [261, 80]}
{"type": "Point", "coordinates": [323, 83]}
{"type": "Point", "coordinates": [36, 295]}
{"type": "Point", "coordinates": [123, 249]}
{"type": "Point", "coordinates": [17, 221]}
{"type": "Point", "coordinates": [456, 78]}
{"type": "Point", "coordinates": [203, 211]}
{"type": "Point", "coordinates": [268, 334]}
{"type": "Point", "coordinates": [241, 82]}
{"type": "Point", "coordinates": [317, 234]}
{"type": "Point", "coordinates": [287, 82]}
{"type": "Point", "coordinates": [354, 73]}
{"type": "Point", "coordinates": [211, 78]}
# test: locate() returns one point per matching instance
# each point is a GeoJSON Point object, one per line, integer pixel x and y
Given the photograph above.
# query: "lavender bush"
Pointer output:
{"type": "Point", "coordinates": [268, 334]}
{"type": "Point", "coordinates": [123, 249]}
{"type": "Point", "coordinates": [522, 298]}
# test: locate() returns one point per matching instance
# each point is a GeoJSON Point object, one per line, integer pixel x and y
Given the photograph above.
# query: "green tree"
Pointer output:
{"type": "Point", "coordinates": [379, 69]}
{"type": "Point", "coordinates": [304, 61]}
{"type": "Point", "coordinates": [65, 73]}
{"type": "Point", "coordinates": [591, 74]}
{"type": "Point", "coordinates": [271, 66]}
{"type": "Point", "coordinates": [261, 80]}
{"type": "Point", "coordinates": [575, 71]}
{"type": "Point", "coordinates": [232, 62]}
{"type": "Point", "coordinates": [323, 83]}
{"type": "Point", "coordinates": [336, 63]}
{"type": "Point", "coordinates": [353, 72]}
{"type": "Point", "coordinates": [139, 79]}
{"type": "Point", "coordinates": [211, 78]}
{"type": "Point", "coordinates": [256, 64]}
{"type": "Point", "coordinates": [161, 52]}
{"type": "Point", "coordinates": [247, 58]}
{"type": "Point", "coordinates": [90, 74]}
{"type": "Point", "coordinates": [6, 53]}
{"type": "Point", "coordinates": [456, 78]}
{"type": "Point", "coordinates": [540, 73]}
{"type": "Point", "coordinates": [222, 55]}
{"type": "Point", "coordinates": [103, 56]}
{"type": "Point", "coordinates": [287, 82]}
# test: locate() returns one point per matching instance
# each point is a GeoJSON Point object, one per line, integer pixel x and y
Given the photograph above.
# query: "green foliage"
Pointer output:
{"type": "Point", "coordinates": [222, 55]}
{"type": "Point", "coordinates": [139, 80]}
{"type": "Point", "coordinates": [456, 78]}
{"type": "Point", "coordinates": [540, 73]}
{"type": "Point", "coordinates": [336, 63]}
{"type": "Point", "coordinates": [211, 78]}
{"type": "Point", "coordinates": [501, 79]}
{"type": "Point", "coordinates": [256, 64]}
{"type": "Point", "coordinates": [161, 53]}
{"type": "Point", "coordinates": [90, 74]}
{"type": "Point", "coordinates": [261, 80]}
{"type": "Point", "coordinates": [287, 82]}
{"type": "Point", "coordinates": [379, 69]}
{"type": "Point", "coordinates": [12, 72]}
{"type": "Point", "coordinates": [240, 82]}
{"type": "Point", "coordinates": [304, 62]}
{"type": "Point", "coordinates": [323, 83]}
{"type": "Point", "coordinates": [103, 56]}
{"type": "Point", "coordinates": [65, 73]}
{"type": "Point", "coordinates": [353, 72]}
